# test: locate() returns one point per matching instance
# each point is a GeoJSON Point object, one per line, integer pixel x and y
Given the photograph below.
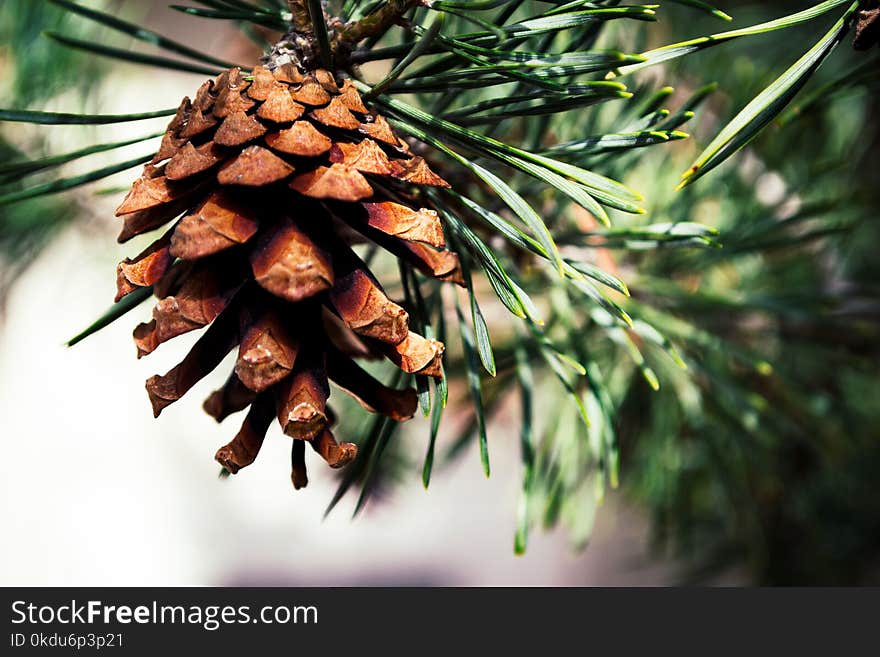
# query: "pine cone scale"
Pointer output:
{"type": "Point", "coordinates": [302, 138]}
{"type": "Point", "coordinates": [218, 224]}
{"type": "Point", "coordinates": [238, 129]}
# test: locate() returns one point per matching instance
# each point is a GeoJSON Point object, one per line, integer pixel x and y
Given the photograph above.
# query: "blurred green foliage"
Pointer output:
{"type": "Point", "coordinates": [33, 70]}
{"type": "Point", "coordinates": [746, 463]}
{"type": "Point", "coordinates": [760, 457]}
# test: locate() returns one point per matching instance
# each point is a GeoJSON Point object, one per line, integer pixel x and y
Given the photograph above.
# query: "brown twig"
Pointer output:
{"type": "Point", "coordinates": [376, 23]}
{"type": "Point", "coordinates": [301, 22]}
{"type": "Point", "coordinates": [346, 36]}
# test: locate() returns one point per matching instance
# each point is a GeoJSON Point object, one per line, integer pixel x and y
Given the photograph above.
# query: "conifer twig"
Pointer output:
{"type": "Point", "coordinates": [300, 21]}
{"type": "Point", "coordinates": [376, 23]}
{"type": "Point", "coordinates": [346, 36]}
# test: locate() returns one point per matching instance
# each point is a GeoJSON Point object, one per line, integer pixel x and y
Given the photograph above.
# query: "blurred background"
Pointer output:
{"type": "Point", "coordinates": [97, 492]}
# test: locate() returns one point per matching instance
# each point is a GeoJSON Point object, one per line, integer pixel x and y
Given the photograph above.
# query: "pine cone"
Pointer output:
{"type": "Point", "coordinates": [271, 178]}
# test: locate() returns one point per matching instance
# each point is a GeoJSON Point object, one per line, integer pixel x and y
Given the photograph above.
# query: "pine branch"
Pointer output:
{"type": "Point", "coordinates": [507, 116]}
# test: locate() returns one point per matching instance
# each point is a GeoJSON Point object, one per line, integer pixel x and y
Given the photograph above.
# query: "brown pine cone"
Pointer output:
{"type": "Point", "coordinates": [270, 179]}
